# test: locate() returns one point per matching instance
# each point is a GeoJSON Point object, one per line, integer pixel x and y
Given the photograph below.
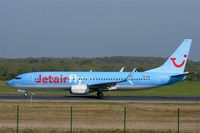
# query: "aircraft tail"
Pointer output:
{"type": "Point", "coordinates": [177, 61]}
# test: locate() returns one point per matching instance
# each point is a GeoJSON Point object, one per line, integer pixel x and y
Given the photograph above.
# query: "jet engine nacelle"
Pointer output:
{"type": "Point", "coordinates": [80, 89]}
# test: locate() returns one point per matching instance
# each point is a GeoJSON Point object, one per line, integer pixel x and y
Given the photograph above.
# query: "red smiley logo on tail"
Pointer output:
{"type": "Point", "coordinates": [178, 65]}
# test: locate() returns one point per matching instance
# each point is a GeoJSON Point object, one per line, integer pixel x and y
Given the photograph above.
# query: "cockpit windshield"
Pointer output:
{"type": "Point", "coordinates": [17, 77]}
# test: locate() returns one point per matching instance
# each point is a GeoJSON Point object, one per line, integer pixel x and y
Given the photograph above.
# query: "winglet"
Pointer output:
{"type": "Point", "coordinates": [133, 71]}
{"type": "Point", "coordinates": [130, 76]}
{"type": "Point", "coordinates": [122, 69]}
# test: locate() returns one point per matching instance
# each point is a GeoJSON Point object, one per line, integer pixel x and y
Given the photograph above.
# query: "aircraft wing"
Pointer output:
{"type": "Point", "coordinates": [106, 85]}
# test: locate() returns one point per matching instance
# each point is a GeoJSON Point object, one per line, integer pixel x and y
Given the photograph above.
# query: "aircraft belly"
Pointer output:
{"type": "Point", "coordinates": [134, 87]}
{"type": "Point", "coordinates": [41, 87]}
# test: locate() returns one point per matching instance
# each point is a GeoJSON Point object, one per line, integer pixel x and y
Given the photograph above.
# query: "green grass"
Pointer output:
{"type": "Point", "coordinates": [4, 89]}
{"type": "Point", "coordinates": [185, 88]}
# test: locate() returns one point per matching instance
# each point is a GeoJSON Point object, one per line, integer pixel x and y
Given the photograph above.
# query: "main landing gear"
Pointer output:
{"type": "Point", "coordinates": [100, 94]}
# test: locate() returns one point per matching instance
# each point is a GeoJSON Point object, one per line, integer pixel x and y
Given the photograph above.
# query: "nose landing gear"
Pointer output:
{"type": "Point", "coordinates": [29, 95]}
{"type": "Point", "coordinates": [26, 94]}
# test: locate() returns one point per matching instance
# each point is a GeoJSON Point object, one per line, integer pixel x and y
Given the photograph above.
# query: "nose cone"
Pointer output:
{"type": "Point", "coordinates": [10, 83]}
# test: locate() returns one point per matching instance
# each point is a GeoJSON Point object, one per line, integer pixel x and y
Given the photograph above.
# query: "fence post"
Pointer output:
{"type": "Point", "coordinates": [124, 119]}
{"type": "Point", "coordinates": [178, 120]}
{"type": "Point", "coordinates": [17, 130]}
{"type": "Point", "coordinates": [71, 120]}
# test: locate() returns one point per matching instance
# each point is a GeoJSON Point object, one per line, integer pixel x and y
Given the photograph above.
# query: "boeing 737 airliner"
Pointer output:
{"type": "Point", "coordinates": [82, 83]}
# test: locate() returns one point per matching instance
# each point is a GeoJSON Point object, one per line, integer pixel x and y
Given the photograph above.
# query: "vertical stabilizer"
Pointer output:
{"type": "Point", "coordinates": [177, 61]}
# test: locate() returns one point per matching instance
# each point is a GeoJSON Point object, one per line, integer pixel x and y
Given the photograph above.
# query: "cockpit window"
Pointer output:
{"type": "Point", "coordinates": [17, 78]}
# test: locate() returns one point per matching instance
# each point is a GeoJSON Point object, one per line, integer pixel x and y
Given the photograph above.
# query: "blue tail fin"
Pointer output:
{"type": "Point", "coordinates": [177, 61]}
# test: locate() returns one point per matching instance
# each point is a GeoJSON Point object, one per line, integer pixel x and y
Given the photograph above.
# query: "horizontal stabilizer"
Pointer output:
{"type": "Point", "coordinates": [178, 75]}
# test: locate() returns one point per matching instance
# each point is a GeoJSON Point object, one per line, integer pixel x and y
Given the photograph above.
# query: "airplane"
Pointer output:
{"type": "Point", "coordinates": [83, 83]}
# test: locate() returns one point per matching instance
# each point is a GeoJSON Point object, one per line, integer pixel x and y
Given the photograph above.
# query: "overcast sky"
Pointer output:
{"type": "Point", "coordinates": [93, 28]}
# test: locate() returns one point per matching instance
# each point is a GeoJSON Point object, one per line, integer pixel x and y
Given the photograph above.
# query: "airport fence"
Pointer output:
{"type": "Point", "coordinates": [100, 119]}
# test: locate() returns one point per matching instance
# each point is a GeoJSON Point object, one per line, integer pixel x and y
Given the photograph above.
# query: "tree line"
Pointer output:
{"type": "Point", "coordinates": [12, 67]}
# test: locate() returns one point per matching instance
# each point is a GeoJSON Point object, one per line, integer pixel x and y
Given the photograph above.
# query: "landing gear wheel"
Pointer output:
{"type": "Point", "coordinates": [29, 95]}
{"type": "Point", "coordinates": [26, 94]}
{"type": "Point", "coordinates": [100, 94]}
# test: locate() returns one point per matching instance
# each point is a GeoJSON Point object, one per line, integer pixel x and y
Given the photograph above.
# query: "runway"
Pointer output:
{"type": "Point", "coordinates": [105, 98]}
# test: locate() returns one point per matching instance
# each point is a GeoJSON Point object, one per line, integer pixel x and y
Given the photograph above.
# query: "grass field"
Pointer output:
{"type": "Point", "coordinates": [55, 130]}
{"type": "Point", "coordinates": [185, 88]}
{"type": "Point", "coordinates": [54, 117]}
